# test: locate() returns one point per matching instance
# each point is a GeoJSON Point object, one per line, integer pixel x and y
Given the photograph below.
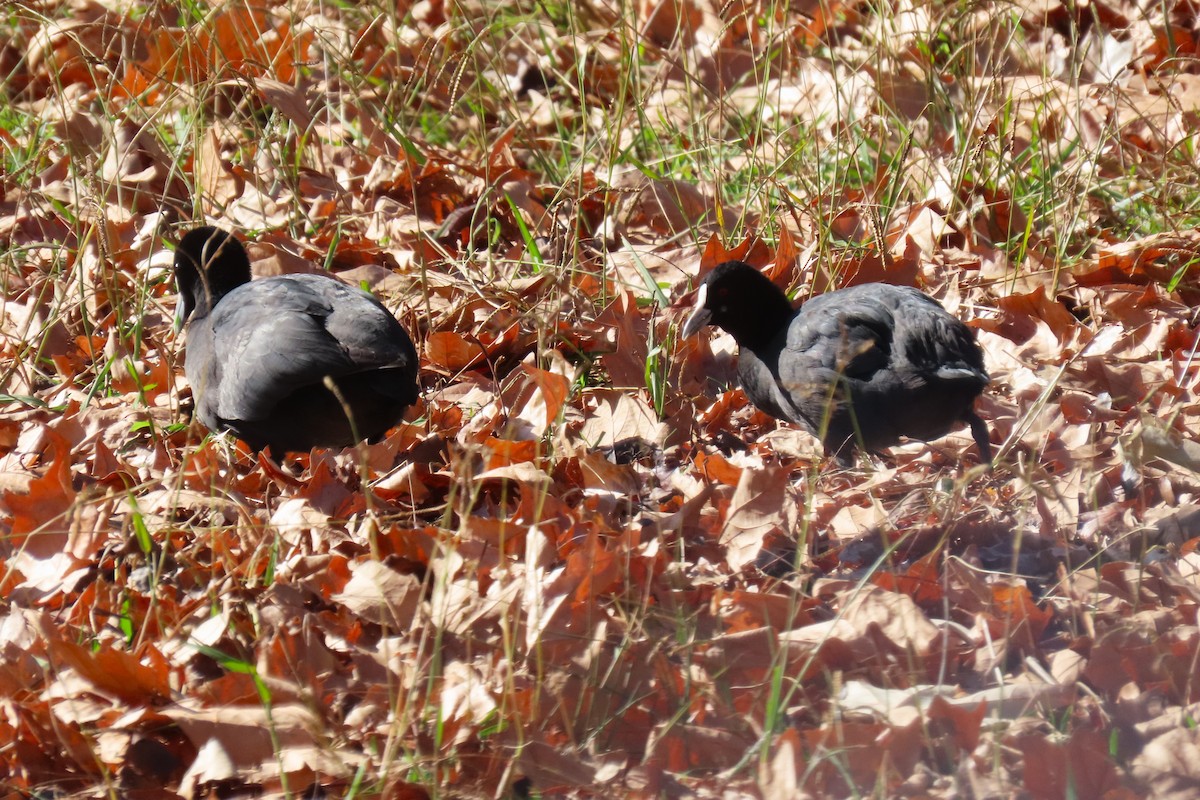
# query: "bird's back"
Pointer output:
{"type": "Point", "coordinates": [875, 362]}
{"type": "Point", "coordinates": [258, 362]}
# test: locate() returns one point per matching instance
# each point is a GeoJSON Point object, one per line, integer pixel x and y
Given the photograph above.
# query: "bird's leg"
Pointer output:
{"type": "Point", "coordinates": [979, 431]}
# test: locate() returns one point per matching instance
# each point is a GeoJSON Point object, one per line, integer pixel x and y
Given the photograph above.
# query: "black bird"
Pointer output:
{"type": "Point", "coordinates": [259, 352]}
{"type": "Point", "coordinates": [864, 365]}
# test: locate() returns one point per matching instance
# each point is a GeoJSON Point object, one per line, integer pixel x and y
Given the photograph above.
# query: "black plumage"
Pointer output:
{"type": "Point", "coordinates": [864, 365]}
{"type": "Point", "coordinates": [259, 352]}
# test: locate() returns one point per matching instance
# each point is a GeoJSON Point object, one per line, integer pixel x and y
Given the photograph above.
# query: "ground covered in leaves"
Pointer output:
{"type": "Point", "coordinates": [585, 565]}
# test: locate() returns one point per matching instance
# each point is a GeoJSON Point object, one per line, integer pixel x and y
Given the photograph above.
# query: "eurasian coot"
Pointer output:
{"type": "Point", "coordinates": [864, 365]}
{"type": "Point", "coordinates": [259, 352]}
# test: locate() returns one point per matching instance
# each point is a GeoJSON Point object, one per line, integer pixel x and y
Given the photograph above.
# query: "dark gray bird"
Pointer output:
{"type": "Point", "coordinates": [259, 352]}
{"type": "Point", "coordinates": [865, 365]}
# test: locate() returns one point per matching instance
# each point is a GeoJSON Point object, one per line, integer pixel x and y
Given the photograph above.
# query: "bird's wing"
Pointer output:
{"type": "Point", "coordinates": [836, 343]}
{"type": "Point", "coordinates": [859, 331]}
{"type": "Point", "coordinates": [281, 335]}
{"type": "Point", "coordinates": [368, 332]}
{"type": "Point", "coordinates": [931, 341]}
{"type": "Point", "coordinates": [847, 333]}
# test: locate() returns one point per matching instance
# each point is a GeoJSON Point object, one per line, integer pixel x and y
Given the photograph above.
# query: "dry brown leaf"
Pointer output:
{"type": "Point", "coordinates": [658, 584]}
{"type": "Point", "coordinates": [683, 748]}
{"type": "Point", "coordinates": [38, 513]}
{"type": "Point", "coordinates": [541, 409]}
{"type": "Point", "coordinates": [524, 472]}
{"type": "Point", "coordinates": [764, 502]}
{"type": "Point", "coordinates": [871, 754]}
{"type": "Point", "coordinates": [1168, 764]}
{"type": "Point", "coordinates": [615, 417]}
{"type": "Point", "coordinates": [381, 595]}
{"type": "Point", "coordinates": [219, 184]}
{"type": "Point", "coordinates": [668, 207]}
{"type": "Point", "coordinates": [111, 672]}
{"type": "Point", "coordinates": [451, 351]}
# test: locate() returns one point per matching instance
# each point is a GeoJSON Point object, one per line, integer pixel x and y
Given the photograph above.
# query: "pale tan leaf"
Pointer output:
{"type": "Point", "coordinates": [381, 595]}
{"type": "Point", "coordinates": [763, 502]}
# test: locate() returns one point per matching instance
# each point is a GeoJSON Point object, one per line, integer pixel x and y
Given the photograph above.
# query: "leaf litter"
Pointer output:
{"type": "Point", "coordinates": [584, 564]}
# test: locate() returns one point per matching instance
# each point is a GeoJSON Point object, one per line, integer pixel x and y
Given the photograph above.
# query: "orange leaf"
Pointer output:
{"type": "Point", "coordinates": [48, 497]}
{"type": "Point", "coordinates": [596, 570]}
{"type": "Point", "coordinates": [554, 388]}
{"type": "Point", "coordinates": [963, 723]}
{"type": "Point", "coordinates": [921, 581]}
{"type": "Point", "coordinates": [1016, 603]}
{"type": "Point", "coordinates": [714, 465]}
{"type": "Point", "coordinates": [112, 672]}
{"type": "Point", "coordinates": [503, 452]}
{"type": "Point", "coordinates": [451, 351]}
